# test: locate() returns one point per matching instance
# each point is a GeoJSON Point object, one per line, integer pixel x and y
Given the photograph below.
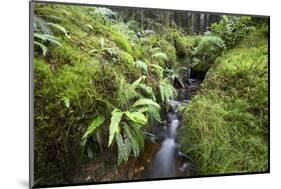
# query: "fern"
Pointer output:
{"type": "Point", "coordinates": [141, 65]}
{"type": "Point", "coordinates": [59, 27]}
{"type": "Point", "coordinates": [147, 90]}
{"type": "Point", "coordinates": [124, 148]}
{"type": "Point", "coordinates": [138, 135]}
{"type": "Point", "coordinates": [132, 139]}
{"type": "Point", "coordinates": [153, 113]}
{"type": "Point", "coordinates": [145, 101]}
{"type": "Point", "coordinates": [161, 56]}
{"type": "Point", "coordinates": [114, 125]}
{"type": "Point", "coordinates": [42, 33]}
{"type": "Point", "coordinates": [158, 69]}
{"type": "Point", "coordinates": [95, 124]}
{"type": "Point", "coordinates": [137, 117]}
{"type": "Point", "coordinates": [42, 47]}
{"type": "Point", "coordinates": [167, 91]}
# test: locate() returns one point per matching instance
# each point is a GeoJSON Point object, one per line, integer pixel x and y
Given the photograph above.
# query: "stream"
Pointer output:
{"type": "Point", "coordinates": [166, 160]}
{"type": "Point", "coordinates": [162, 157]}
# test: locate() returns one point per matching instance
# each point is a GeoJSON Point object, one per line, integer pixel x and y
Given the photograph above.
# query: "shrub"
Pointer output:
{"type": "Point", "coordinates": [232, 29]}
{"type": "Point", "coordinates": [208, 49]}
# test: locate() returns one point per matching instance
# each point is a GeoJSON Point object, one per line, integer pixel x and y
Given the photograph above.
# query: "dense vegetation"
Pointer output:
{"type": "Point", "coordinates": [101, 80]}
{"type": "Point", "coordinates": [225, 126]}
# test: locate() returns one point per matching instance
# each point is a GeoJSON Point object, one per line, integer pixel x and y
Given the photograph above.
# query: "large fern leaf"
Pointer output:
{"type": "Point", "coordinates": [43, 47]}
{"type": "Point", "coordinates": [153, 112]}
{"type": "Point", "coordinates": [95, 124]}
{"type": "Point", "coordinates": [147, 90]}
{"type": "Point", "coordinates": [59, 27]}
{"type": "Point", "coordinates": [136, 132]}
{"type": "Point", "coordinates": [141, 65]}
{"type": "Point", "coordinates": [133, 140]}
{"type": "Point", "coordinates": [161, 56]}
{"type": "Point", "coordinates": [145, 101]}
{"type": "Point", "coordinates": [46, 37]}
{"type": "Point", "coordinates": [124, 148]}
{"type": "Point", "coordinates": [167, 91]}
{"type": "Point", "coordinates": [116, 117]}
{"type": "Point", "coordinates": [137, 117]}
{"type": "Point", "coordinates": [136, 83]}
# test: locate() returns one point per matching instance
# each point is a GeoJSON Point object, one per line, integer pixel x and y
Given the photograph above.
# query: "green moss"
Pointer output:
{"type": "Point", "coordinates": [225, 127]}
{"type": "Point", "coordinates": [122, 42]}
{"type": "Point", "coordinates": [125, 65]}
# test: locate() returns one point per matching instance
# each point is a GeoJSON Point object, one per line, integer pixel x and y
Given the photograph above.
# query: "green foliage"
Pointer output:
{"type": "Point", "coordinates": [167, 91]}
{"type": "Point", "coordinates": [144, 101]}
{"type": "Point", "coordinates": [114, 124]}
{"type": "Point", "coordinates": [101, 77]}
{"type": "Point", "coordinates": [232, 29]}
{"type": "Point", "coordinates": [132, 120]}
{"type": "Point", "coordinates": [122, 42]}
{"type": "Point", "coordinates": [208, 49]}
{"type": "Point", "coordinates": [160, 55]}
{"type": "Point", "coordinates": [43, 33]}
{"type": "Point", "coordinates": [98, 121]}
{"type": "Point", "coordinates": [225, 126]}
{"type": "Point", "coordinates": [141, 65]}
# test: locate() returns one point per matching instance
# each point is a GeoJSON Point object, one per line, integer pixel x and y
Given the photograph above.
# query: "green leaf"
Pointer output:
{"type": "Point", "coordinates": [59, 27]}
{"type": "Point", "coordinates": [160, 56]}
{"type": "Point", "coordinates": [167, 91]}
{"type": "Point", "coordinates": [148, 90]}
{"type": "Point", "coordinates": [43, 47]}
{"type": "Point", "coordinates": [136, 132]}
{"type": "Point", "coordinates": [145, 101]}
{"type": "Point", "coordinates": [46, 37]}
{"type": "Point", "coordinates": [116, 117]}
{"type": "Point", "coordinates": [141, 65]}
{"type": "Point", "coordinates": [153, 112]}
{"type": "Point", "coordinates": [66, 101]}
{"type": "Point", "coordinates": [132, 139]}
{"type": "Point", "coordinates": [124, 148]}
{"type": "Point", "coordinates": [137, 117]}
{"type": "Point", "coordinates": [136, 83]}
{"type": "Point", "coordinates": [96, 123]}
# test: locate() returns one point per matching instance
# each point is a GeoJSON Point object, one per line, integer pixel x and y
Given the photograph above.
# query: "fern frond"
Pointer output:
{"type": "Point", "coordinates": [158, 69]}
{"type": "Point", "coordinates": [124, 148]}
{"type": "Point", "coordinates": [132, 139]}
{"type": "Point", "coordinates": [136, 83]}
{"type": "Point", "coordinates": [155, 50]}
{"type": "Point", "coordinates": [98, 121]}
{"type": "Point", "coordinates": [147, 90]}
{"type": "Point", "coordinates": [136, 132]}
{"type": "Point", "coordinates": [116, 117]}
{"type": "Point", "coordinates": [136, 117]}
{"type": "Point", "coordinates": [153, 112]}
{"type": "Point", "coordinates": [46, 37]}
{"type": "Point", "coordinates": [40, 26]}
{"type": "Point", "coordinates": [161, 56]}
{"type": "Point", "coordinates": [141, 65]}
{"type": "Point", "coordinates": [167, 91]}
{"type": "Point", "coordinates": [59, 27]}
{"type": "Point", "coordinates": [43, 47]}
{"type": "Point", "coordinates": [145, 101]}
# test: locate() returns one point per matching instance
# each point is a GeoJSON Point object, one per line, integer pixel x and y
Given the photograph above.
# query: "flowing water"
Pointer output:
{"type": "Point", "coordinates": [164, 163]}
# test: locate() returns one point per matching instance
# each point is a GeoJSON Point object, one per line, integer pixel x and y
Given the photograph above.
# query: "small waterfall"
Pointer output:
{"type": "Point", "coordinates": [164, 163]}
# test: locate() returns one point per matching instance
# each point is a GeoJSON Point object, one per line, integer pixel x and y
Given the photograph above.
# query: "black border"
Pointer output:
{"type": "Point", "coordinates": [31, 89]}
